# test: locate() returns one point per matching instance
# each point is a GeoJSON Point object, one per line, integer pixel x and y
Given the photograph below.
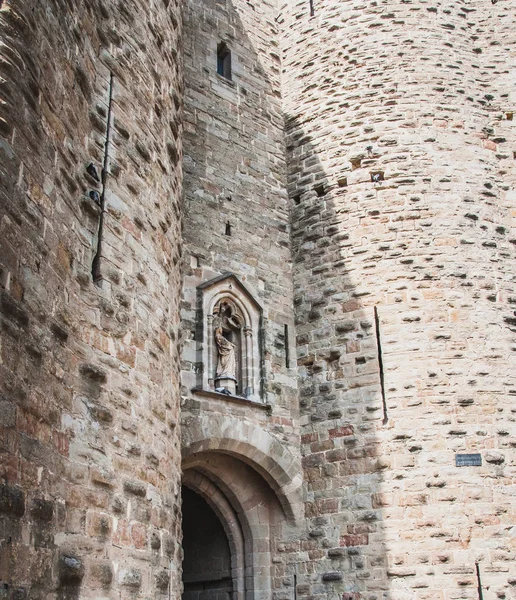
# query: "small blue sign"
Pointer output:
{"type": "Point", "coordinates": [468, 460]}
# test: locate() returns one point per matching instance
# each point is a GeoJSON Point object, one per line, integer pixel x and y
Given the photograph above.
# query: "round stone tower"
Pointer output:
{"type": "Point", "coordinates": [90, 221]}
{"type": "Point", "coordinates": [400, 141]}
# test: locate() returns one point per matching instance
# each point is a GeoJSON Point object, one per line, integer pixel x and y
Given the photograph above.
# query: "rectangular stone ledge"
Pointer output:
{"type": "Point", "coordinates": [236, 399]}
{"type": "Point", "coordinates": [230, 83]}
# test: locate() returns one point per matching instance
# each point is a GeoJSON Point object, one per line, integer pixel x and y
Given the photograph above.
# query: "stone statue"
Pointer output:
{"type": "Point", "coordinates": [226, 366]}
{"type": "Point", "coordinates": [229, 316]}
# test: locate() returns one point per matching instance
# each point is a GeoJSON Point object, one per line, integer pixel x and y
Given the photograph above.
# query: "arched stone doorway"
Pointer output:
{"type": "Point", "coordinates": [207, 553]}
{"type": "Point", "coordinates": [251, 484]}
{"type": "Point", "coordinates": [241, 517]}
{"type": "Point", "coordinates": [219, 481]}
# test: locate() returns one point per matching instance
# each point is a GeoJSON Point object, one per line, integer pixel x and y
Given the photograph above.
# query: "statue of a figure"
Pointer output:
{"type": "Point", "coordinates": [226, 366]}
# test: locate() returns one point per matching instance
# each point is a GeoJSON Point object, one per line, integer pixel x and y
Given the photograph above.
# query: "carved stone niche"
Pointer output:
{"type": "Point", "coordinates": [229, 331]}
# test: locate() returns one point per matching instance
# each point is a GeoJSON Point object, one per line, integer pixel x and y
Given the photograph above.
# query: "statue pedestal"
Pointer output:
{"type": "Point", "coordinates": [226, 382]}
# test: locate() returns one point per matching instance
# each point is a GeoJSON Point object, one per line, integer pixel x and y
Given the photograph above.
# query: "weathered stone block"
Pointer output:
{"type": "Point", "coordinates": [42, 510]}
{"type": "Point", "coordinates": [93, 372]}
{"type": "Point", "coordinates": [13, 309]}
{"type": "Point", "coordinates": [7, 413]}
{"type": "Point", "coordinates": [12, 500]}
{"type": "Point", "coordinates": [71, 570]}
{"type": "Point", "coordinates": [131, 578]}
{"type": "Point", "coordinates": [162, 580]}
{"type": "Point", "coordinates": [137, 488]}
{"type": "Point", "coordinates": [102, 573]}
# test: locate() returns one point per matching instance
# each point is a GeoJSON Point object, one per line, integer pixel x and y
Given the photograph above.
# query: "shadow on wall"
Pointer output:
{"type": "Point", "coordinates": [399, 221]}
{"type": "Point", "coordinates": [342, 398]}
{"type": "Point", "coordinates": [235, 173]}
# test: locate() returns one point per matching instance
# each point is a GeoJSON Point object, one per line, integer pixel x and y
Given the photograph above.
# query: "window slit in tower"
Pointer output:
{"type": "Point", "coordinates": [479, 583]}
{"type": "Point", "coordinates": [287, 347]}
{"type": "Point", "coordinates": [228, 228]}
{"type": "Point", "coordinates": [380, 364]}
{"type": "Point", "coordinates": [95, 265]}
{"type": "Point", "coordinates": [224, 60]}
{"type": "Point", "coordinates": [312, 8]}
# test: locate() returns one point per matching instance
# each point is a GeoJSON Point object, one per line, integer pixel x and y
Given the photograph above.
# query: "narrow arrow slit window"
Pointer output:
{"type": "Point", "coordinates": [224, 60]}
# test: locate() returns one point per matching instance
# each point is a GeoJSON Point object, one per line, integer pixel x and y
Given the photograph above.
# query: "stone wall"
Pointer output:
{"type": "Point", "coordinates": [379, 240]}
{"type": "Point", "coordinates": [400, 175]}
{"type": "Point", "coordinates": [89, 461]}
{"type": "Point", "coordinates": [235, 176]}
{"type": "Point", "coordinates": [237, 221]}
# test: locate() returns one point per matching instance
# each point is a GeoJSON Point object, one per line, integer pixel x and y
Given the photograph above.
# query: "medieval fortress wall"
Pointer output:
{"type": "Point", "coordinates": [237, 221]}
{"type": "Point", "coordinates": [400, 141]}
{"type": "Point", "coordinates": [351, 188]}
{"type": "Point", "coordinates": [90, 496]}
{"type": "Point", "coordinates": [237, 211]}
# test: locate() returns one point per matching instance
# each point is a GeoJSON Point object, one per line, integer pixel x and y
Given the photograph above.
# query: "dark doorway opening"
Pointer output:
{"type": "Point", "coordinates": [207, 554]}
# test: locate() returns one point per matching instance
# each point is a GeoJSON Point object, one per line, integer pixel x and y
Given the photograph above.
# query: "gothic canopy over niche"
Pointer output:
{"type": "Point", "coordinates": [230, 320]}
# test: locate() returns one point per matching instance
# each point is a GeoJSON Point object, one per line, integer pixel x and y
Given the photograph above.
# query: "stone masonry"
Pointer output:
{"type": "Point", "coordinates": [401, 169]}
{"type": "Point", "coordinates": [89, 406]}
{"type": "Point", "coordinates": [237, 221]}
{"type": "Point", "coordinates": [342, 173]}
